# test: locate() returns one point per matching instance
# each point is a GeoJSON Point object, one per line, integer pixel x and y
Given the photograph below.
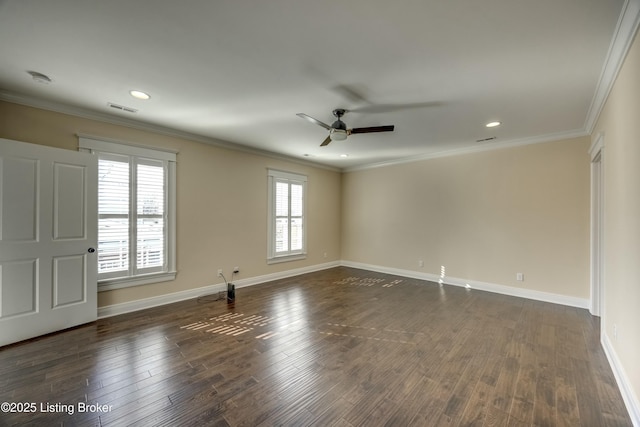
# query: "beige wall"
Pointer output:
{"type": "Point", "coordinates": [619, 122]}
{"type": "Point", "coordinates": [484, 216]}
{"type": "Point", "coordinates": [221, 201]}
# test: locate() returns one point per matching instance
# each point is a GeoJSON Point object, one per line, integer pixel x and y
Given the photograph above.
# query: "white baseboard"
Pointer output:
{"type": "Point", "coordinates": [284, 274]}
{"type": "Point", "coordinates": [630, 399]}
{"type": "Point", "coordinates": [128, 307]}
{"type": "Point", "coordinates": [474, 284]}
{"type": "Point", "coordinates": [628, 395]}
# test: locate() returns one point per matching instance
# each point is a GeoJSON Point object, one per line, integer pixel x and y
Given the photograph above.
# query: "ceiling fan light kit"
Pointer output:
{"type": "Point", "coordinates": [338, 130]}
{"type": "Point", "coordinates": [338, 134]}
{"type": "Point", "coordinates": [39, 77]}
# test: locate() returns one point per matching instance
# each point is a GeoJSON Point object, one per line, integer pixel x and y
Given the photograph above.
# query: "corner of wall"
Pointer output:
{"type": "Point", "coordinates": [630, 399]}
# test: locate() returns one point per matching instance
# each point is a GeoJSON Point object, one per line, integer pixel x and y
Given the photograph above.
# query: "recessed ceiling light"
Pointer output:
{"type": "Point", "coordinates": [493, 124]}
{"type": "Point", "coordinates": [139, 94]}
{"type": "Point", "coordinates": [344, 155]}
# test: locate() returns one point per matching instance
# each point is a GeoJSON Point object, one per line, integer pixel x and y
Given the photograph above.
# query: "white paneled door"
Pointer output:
{"type": "Point", "coordinates": [48, 236]}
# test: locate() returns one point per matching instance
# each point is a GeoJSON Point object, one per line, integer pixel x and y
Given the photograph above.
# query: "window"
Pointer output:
{"type": "Point", "coordinates": [136, 214]}
{"type": "Point", "coordinates": [287, 228]}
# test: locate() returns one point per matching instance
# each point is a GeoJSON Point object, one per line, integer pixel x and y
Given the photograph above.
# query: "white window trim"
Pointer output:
{"type": "Point", "coordinates": [273, 176]}
{"type": "Point", "coordinates": [94, 146]}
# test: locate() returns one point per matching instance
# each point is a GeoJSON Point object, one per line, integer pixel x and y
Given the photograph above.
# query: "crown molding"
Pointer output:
{"type": "Point", "coordinates": [623, 37]}
{"type": "Point", "coordinates": [85, 113]}
{"type": "Point", "coordinates": [624, 34]}
{"type": "Point", "coordinates": [577, 133]}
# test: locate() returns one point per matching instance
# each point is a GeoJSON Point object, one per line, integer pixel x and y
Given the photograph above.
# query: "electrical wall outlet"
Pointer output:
{"type": "Point", "coordinates": [236, 270]}
{"type": "Point", "coordinates": [520, 277]}
{"type": "Point", "coordinates": [420, 263]}
{"type": "Point", "coordinates": [219, 272]}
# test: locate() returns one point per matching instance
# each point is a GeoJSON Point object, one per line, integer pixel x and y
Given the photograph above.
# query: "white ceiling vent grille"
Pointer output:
{"type": "Point", "coordinates": [122, 108]}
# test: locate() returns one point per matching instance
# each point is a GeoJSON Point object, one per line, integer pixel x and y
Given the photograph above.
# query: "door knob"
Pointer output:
{"type": "Point", "coordinates": [91, 250]}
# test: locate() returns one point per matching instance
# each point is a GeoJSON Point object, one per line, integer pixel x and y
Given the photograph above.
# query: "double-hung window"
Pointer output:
{"type": "Point", "coordinates": [136, 213]}
{"type": "Point", "coordinates": [287, 226]}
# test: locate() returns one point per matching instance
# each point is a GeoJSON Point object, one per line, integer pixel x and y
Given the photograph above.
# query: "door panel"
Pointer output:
{"type": "Point", "coordinates": [48, 217]}
{"type": "Point", "coordinates": [69, 201]}
{"type": "Point", "coordinates": [19, 201]}
{"type": "Point", "coordinates": [69, 280]}
{"type": "Point", "coordinates": [18, 299]}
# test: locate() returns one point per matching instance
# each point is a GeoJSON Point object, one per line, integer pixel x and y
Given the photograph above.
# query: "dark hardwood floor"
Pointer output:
{"type": "Point", "coordinates": [340, 347]}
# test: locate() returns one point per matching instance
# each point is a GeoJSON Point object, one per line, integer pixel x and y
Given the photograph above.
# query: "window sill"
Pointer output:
{"type": "Point", "coordinates": [128, 282]}
{"type": "Point", "coordinates": [286, 258]}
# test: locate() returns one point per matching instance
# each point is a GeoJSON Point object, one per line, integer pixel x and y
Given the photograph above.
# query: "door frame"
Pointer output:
{"type": "Point", "coordinates": [596, 151]}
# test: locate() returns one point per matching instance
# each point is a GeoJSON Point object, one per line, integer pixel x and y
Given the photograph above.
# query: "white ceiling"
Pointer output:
{"type": "Point", "coordinates": [240, 70]}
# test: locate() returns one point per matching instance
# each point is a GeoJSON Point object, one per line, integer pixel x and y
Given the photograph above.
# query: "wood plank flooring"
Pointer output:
{"type": "Point", "coordinates": [342, 347]}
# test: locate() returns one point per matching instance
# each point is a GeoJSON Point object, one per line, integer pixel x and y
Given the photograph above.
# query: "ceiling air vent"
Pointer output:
{"type": "Point", "coordinates": [486, 139]}
{"type": "Point", "coordinates": [122, 108]}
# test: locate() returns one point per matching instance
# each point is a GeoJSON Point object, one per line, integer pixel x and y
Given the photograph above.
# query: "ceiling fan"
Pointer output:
{"type": "Point", "coordinates": [338, 130]}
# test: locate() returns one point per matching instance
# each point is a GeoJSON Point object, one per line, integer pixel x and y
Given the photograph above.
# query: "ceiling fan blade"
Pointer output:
{"type": "Point", "coordinates": [353, 93]}
{"type": "Point", "coordinates": [372, 129]}
{"type": "Point", "coordinates": [326, 141]}
{"type": "Point", "coordinates": [312, 120]}
{"type": "Point", "coordinates": [389, 108]}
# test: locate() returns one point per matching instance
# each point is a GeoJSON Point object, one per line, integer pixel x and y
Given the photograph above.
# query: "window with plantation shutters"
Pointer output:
{"type": "Point", "coordinates": [150, 217]}
{"type": "Point", "coordinates": [286, 216]}
{"type": "Point", "coordinates": [113, 214]}
{"type": "Point", "coordinates": [136, 214]}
